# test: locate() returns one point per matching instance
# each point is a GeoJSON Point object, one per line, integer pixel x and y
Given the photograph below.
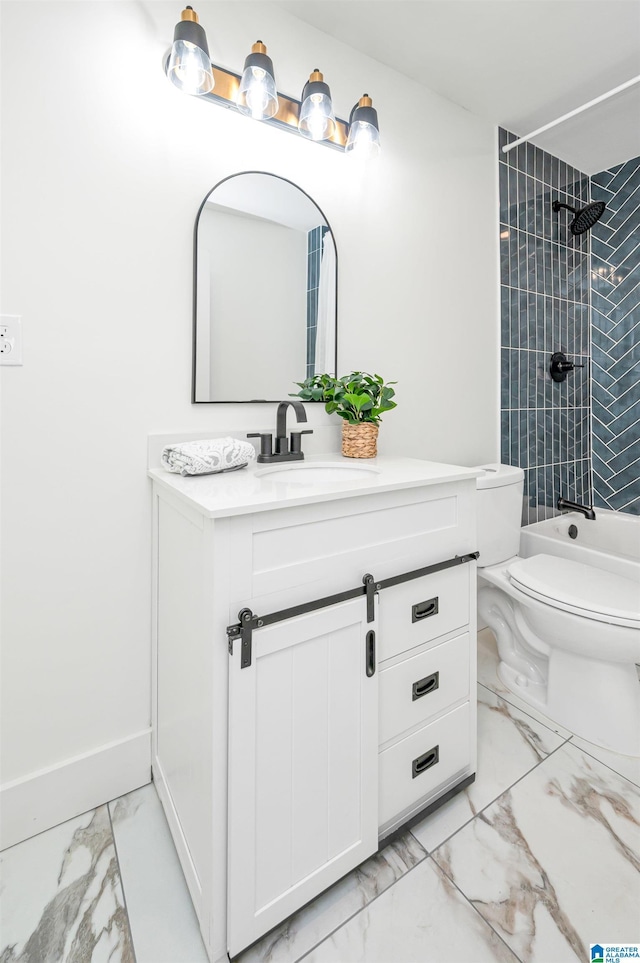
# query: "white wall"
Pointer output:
{"type": "Point", "coordinates": [104, 167]}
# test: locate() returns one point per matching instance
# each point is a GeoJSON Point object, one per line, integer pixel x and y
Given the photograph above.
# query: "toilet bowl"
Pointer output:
{"type": "Point", "coordinates": [568, 634]}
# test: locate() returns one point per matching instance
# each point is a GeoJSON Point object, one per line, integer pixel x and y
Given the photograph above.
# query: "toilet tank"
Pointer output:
{"type": "Point", "coordinates": [500, 489]}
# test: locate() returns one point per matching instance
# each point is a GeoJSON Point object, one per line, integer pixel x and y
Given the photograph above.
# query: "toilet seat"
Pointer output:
{"type": "Point", "coordinates": [577, 588]}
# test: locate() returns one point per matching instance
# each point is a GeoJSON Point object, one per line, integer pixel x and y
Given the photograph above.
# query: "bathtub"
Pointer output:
{"type": "Point", "coordinates": [611, 542]}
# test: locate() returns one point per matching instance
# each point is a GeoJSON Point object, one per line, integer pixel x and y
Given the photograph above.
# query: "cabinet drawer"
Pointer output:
{"type": "Point", "coordinates": [416, 612]}
{"type": "Point", "coordinates": [420, 687]}
{"type": "Point", "coordinates": [415, 767]}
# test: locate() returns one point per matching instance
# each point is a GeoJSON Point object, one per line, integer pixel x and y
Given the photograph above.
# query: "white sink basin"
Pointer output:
{"type": "Point", "coordinates": [318, 474]}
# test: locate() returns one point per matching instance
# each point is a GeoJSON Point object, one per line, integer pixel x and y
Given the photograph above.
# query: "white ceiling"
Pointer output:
{"type": "Point", "coordinates": [519, 63]}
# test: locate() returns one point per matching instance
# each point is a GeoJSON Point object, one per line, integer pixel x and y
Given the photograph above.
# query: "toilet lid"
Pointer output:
{"type": "Point", "coordinates": [578, 588]}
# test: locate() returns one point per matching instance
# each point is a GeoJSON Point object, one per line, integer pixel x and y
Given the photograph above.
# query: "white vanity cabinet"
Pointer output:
{"type": "Point", "coordinates": [282, 754]}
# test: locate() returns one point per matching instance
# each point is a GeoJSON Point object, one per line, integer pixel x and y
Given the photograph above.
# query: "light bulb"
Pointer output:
{"type": "Point", "coordinates": [317, 120]}
{"type": "Point", "coordinates": [257, 95]}
{"type": "Point", "coordinates": [366, 140]}
{"type": "Point", "coordinates": [189, 69]}
{"type": "Point", "coordinates": [364, 133]}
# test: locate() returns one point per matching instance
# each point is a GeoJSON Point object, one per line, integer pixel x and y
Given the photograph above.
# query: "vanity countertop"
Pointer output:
{"type": "Point", "coordinates": [253, 490]}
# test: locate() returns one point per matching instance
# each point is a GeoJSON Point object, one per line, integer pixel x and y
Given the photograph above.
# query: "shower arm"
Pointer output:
{"type": "Point", "coordinates": [558, 204]}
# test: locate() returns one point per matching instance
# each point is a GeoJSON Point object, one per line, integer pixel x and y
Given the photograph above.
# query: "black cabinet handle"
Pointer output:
{"type": "Point", "coordinates": [425, 761]}
{"type": "Point", "coordinates": [423, 610]}
{"type": "Point", "coordinates": [424, 686]}
{"type": "Point", "coordinates": [371, 653]}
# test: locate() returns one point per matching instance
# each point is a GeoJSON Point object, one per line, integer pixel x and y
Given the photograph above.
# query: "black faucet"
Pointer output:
{"type": "Point", "coordinates": [565, 505]}
{"type": "Point", "coordinates": [282, 450]}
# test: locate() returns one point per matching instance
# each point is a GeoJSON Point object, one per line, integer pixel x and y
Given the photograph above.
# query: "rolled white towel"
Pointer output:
{"type": "Point", "coordinates": [207, 456]}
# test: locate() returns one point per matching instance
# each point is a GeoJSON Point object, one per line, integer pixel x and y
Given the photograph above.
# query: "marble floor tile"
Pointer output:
{"type": "Point", "coordinates": [163, 921]}
{"type": "Point", "coordinates": [510, 743]}
{"type": "Point", "coordinates": [61, 896]}
{"type": "Point", "coordinates": [554, 863]}
{"type": "Point", "coordinates": [422, 917]}
{"type": "Point", "coordinates": [488, 676]}
{"type": "Point", "coordinates": [306, 928]}
{"type": "Point", "coordinates": [628, 766]}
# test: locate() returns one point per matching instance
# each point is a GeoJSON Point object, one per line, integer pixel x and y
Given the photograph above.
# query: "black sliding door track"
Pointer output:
{"type": "Point", "coordinates": [248, 622]}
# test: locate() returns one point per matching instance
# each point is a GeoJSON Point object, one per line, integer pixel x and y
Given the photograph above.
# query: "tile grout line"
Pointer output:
{"type": "Point", "coordinates": [504, 698]}
{"type": "Point", "coordinates": [620, 775]}
{"type": "Point", "coordinates": [434, 851]}
{"type": "Point", "coordinates": [567, 739]}
{"type": "Point", "coordinates": [508, 789]}
{"type": "Point", "coordinates": [362, 908]}
{"type": "Point", "coordinates": [41, 832]}
{"type": "Point", "coordinates": [476, 910]}
{"type": "Point", "coordinates": [124, 895]}
{"type": "Point", "coordinates": [556, 297]}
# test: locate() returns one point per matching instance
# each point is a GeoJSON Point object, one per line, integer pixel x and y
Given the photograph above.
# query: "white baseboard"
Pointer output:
{"type": "Point", "coordinates": [51, 796]}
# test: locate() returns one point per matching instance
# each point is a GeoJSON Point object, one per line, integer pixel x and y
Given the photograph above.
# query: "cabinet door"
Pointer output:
{"type": "Point", "coordinates": [303, 766]}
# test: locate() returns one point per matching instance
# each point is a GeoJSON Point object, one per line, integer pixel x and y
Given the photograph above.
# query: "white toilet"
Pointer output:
{"type": "Point", "coordinates": [568, 634]}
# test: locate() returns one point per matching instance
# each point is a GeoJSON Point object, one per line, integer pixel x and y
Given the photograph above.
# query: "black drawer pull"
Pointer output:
{"type": "Point", "coordinates": [424, 686]}
{"type": "Point", "coordinates": [425, 761]}
{"type": "Point", "coordinates": [371, 653]}
{"type": "Point", "coordinates": [422, 610]}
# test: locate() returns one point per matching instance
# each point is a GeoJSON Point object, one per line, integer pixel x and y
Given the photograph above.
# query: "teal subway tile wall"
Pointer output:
{"type": "Point", "coordinates": [545, 299]}
{"type": "Point", "coordinates": [315, 240]}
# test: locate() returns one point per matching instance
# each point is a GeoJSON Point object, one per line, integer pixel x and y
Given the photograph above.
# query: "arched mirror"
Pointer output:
{"type": "Point", "coordinates": [265, 291]}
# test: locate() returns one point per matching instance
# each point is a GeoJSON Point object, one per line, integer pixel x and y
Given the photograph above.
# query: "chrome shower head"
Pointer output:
{"type": "Point", "coordinates": [585, 217]}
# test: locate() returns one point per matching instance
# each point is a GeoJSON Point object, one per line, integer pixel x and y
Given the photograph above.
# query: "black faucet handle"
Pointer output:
{"type": "Point", "coordinates": [561, 365]}
{"type": "Point", "coordinates": [296, 440]}
{"type": "Point", "coordinates": [266, 442]}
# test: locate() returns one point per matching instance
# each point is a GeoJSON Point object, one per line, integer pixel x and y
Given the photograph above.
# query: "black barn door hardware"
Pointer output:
{"type": "Point", "coordinates": [371, 653]}
{"type": "Point", "coordinates": [248, 622]}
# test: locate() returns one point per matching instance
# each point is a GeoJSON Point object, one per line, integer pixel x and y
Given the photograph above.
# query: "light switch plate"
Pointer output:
{"type": "Point", "coordinates": [10, 339]}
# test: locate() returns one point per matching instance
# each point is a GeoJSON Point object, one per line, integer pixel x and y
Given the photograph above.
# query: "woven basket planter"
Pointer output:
{"type": "Point", "coordinates": [359, 441]}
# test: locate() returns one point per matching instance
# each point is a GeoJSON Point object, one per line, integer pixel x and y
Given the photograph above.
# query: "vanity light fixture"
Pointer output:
{"type": "Point", "coordinates": [189, 65]}
{"type": "Point", "coordinates": [317, 119]}
{"type": "Point", "coordinates": [364, 130]}
{"type": "Point", "coordinates": [257, 94]}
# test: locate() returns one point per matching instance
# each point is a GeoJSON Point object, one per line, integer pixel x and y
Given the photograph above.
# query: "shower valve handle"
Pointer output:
{"type": "Point", "coordinates": [560, 366]}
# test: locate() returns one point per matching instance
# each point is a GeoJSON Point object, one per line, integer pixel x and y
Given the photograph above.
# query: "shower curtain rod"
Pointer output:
{"type": "Point", "coordinates": [572, 113]}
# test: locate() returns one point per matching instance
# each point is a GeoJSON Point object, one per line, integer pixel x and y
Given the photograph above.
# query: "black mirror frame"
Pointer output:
{"type": "Point", "coordinates": [195, 289]}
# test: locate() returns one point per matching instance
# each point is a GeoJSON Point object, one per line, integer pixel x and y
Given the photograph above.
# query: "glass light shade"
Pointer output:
{"type": "Point", "coordinates": [257, 94]}
{"type": "Point", "coordinates": [363, 140]}
{"type": "Point", "coordinates": [189, 67]}
{"type": "Point", "coordinates": [317, 119]}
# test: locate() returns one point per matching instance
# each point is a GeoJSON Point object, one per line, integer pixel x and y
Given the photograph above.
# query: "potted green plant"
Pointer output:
{"type": "Point", "coordinates": [359, 399]}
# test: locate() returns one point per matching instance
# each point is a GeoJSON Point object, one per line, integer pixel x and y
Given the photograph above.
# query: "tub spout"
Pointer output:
{"type": "Point", "coordinates": [565, 505]}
